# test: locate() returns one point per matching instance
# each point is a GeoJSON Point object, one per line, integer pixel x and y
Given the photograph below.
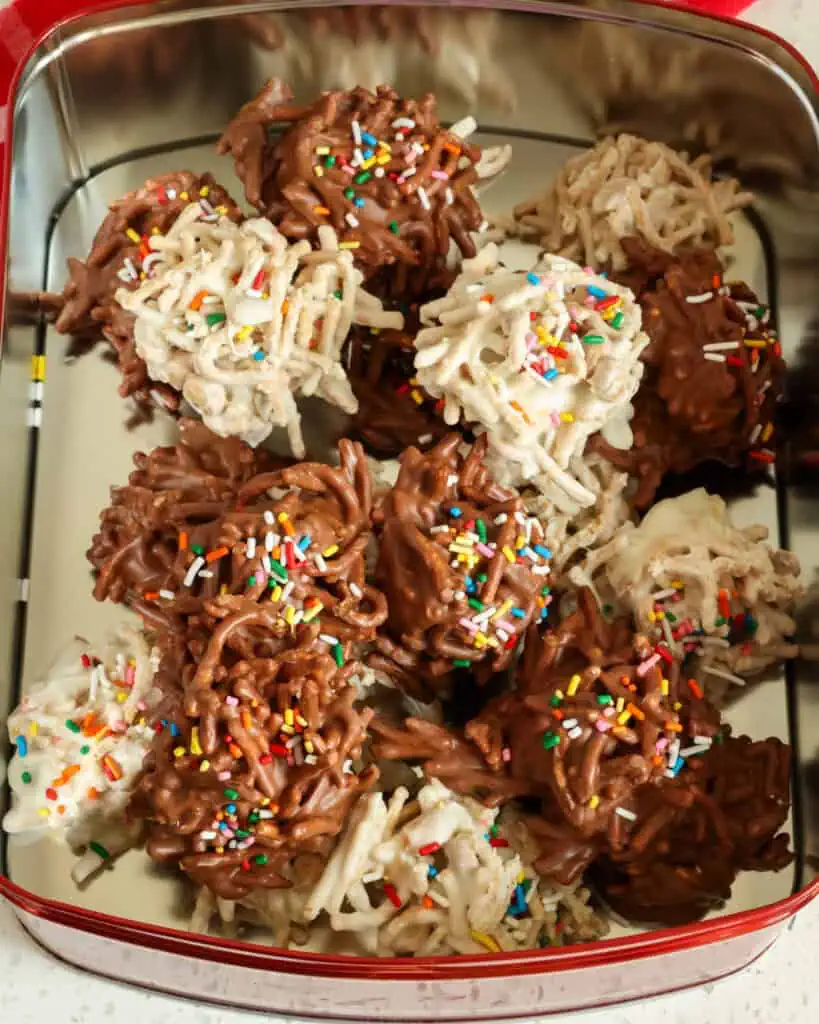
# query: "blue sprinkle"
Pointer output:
{"type": "Point", "coordinates": [544, 615]}
{"type": "Point", "coordinates": [519, 613]}
{"type": "Point", "coordinates": [304, 543]}
{"type": "Point", "coordinates": [370, 139]}
{"type": "Point", "coordinates": [174, 729]}
{"type": "Point", "coordinates": [470, 585]}
{"type": "Point", "coordinates": [678, 766]}
{"type": "Point", "coordinates": [542, 551]}
{"type": "Point", "coordinates": [432, 871]}
{"type": "Point", "coordinates": [598, 293]}
{"type": "Point", "coordinates": [455, 512]}
{"type": "Point", "coordinates": [368, 154]}
{"type": "Point", "coordinates": [533, 278]}
{"type": "Point", "coordinates": [551, 374]}
{"type": "Point", "coordinates": [223, 825]}
{"type": "Point", "coordinates": [358, 201]}
{"type": "Point", "coordinates": [231, 808]}
{"type": "Point", "coordinates": [258, 355]}
{"type": "Point", "coordinates": [22, 746]}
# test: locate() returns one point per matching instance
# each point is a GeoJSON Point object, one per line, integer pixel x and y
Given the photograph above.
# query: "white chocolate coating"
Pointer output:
{"type": "Point", "coordinates": [80, 741]}
{"type": "Point", "coordinates": [240, 322]}
{"type": "Point", "coordinates": [531, 359]}
{"type": "Point", "coordinates": [625, 186]}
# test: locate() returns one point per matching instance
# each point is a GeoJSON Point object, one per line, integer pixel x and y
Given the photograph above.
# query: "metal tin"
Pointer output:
{"type": "Point", "coordinates": [101, 94]}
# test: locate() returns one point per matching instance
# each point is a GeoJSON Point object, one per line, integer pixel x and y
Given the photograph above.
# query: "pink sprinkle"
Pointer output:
{"type": "Point", "coordinates": [547, 601]}
{"type": "Point", "coordinates": [223, 776]}
{"type": "Point", "coordinates": [227, 834]}
{"type": "Point", "coordinates": [531, 338]}
{"type": "Point", "coordinates": [233, 701]}
{"type": "Point", "coordinates": [555, 419]}
{"type": "Point", "coordinates": [661, 744]}
{"type": "Point", "coordinates": [130, 675]}
{"type": "Point", "coordinates": [510, 627]}
{"type": "Point", "coordinates": [141, 705]}
{"type": "Point", "coordinates": [486, 551]}
{"type": "Point", "coordinates": [506, 754]}
{"type": "Point", "coordinates": [440, 175]}
{"type": "Point", "coordinates": [610, 712]}
{"type": "Point", "coordinates": [601, 725]}
{"type": "Point", "coordinates": [348, 170]}
{"type": "Point", "coordinates": [647, 665]}
{"type": "Point", "coordinates": [468, 625]}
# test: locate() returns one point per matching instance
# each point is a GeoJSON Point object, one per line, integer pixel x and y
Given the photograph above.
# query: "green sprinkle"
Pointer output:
{"type": "Point", "coordinates": [261, 859]}
{"type": "Point", "coordinates": [604, 698]}
{"type": "Point", "coordinates": [99, 849]}
{"type": "Point", "coordinates": [720, 621]}
{"type": "Point", "coordinates": [671, 616]}
{"type": "Point", "coordinates": [607, 609]}
{"type": "Point", "coordinates": [617, 321]}
{"type": "Point", "coordinates": [277, 567]}
{"type": "Point", "coordinates": [240, 832]}
{"type": "Point", "coordinates": [253, 817]}
{"type": "Point", "coordinates": [251, 581]}
{"type": "Point", "coordinates": [394, 226]}
{"type": "Point", "coordinates": [85, 749]}
{"type": "Point", "coordinates": [550, 740]}
{"type": "Point", "coordinates": [481, 526]}
{"type": "Point", "coordinates": [461, 663]}
{"type": "Point", "coordinates": [555, 701]}
{"type": "Point", "coordinates": [546, 591]}
{"type": "Point", "coordinates": [213, 319]}
{"type": "Point", "coordinates": [26, 777]}
{"type": "Point", "coordinates": [481, 577]}
{"type": "Point", "coordinates": [231, 794]}
{"type": "Point", "coordinates": [594, 339]}
{"type": "Point", "coordinates": [349, 193]}
{"type": "Point", "coordinates": [473, 602]}
{"type": "Point", "coordinates": [72, 726]}
{"type": "Point", "coordinates": [329, 161]}
{"type": "Point", "coordinates": [718, 738]}
{"type": "Point", "coordinates": [339, 294]}
{"type": "Point", "coordinates": [338, 654]}
{"type": "Point", "coordinates": [197, 549]}
{"type": "Point", "coordinates": [363, 178]}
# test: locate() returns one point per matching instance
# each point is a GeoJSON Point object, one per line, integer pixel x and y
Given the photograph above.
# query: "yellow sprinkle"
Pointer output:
{"type": "Point", "coordinates": [756, 343]}
{"type": "Point", "coordinates": [133, 235]}
{"type": "Point", "coordinates": [664, 687]}
{"type": "Point", "coordinates": [288, 729]}
{"type": "Point", "coordinates": [276, 593]}
{"type": "Point", "coordinates": [479, 640]}
{"type": "Point", "coordinates": [196, 747]}
{"type": "Point", "coordinates": [121, 698]}
{"type": "Point", "coordinates": [652, 617]}
{"type": "Point", "coordinates": [302, 721]}
{"type": "Point", "coordinates": [486, 941]}
{"type": "Point", "coordinates": [567, 417]}
{"type": "Point", "coordinates": [417, 397]}
{"type": "Point", "coordinates": [621, 703]}
{"type": "Point", "coordinates": [308, 746]}
{"type": "Point", "coordinates": [521, 878]}
{"type": "Point", "coordinates": [504, 608]}
{"type": "Point", "coordinates": [520, 541]}
{"type": "Point", "coordinates": [265, 801]}
{"type": "Point", "coordinates": [322, 150]}
{"type": "Point", "coordinates": [329, 552]}
{"type": "Point", "coordinates": [594, 802]}
{"type": "Point", "coordinates": [659, 616]}
{"type": "Point", "coordinates": [155, 231]}
{"type": "Point", "coordinates": [574, 682]}
{"type": "Point", "coordinates": [560, 694]}
{"type": "Point", "coordinates": [204, 191]}
{"type": "Point", "coordinates": [318, 170]}
{"type": "Point", "coordinates": [204, 766]}
{"type": "Point", "coordinates": [244, 332]}
{"type": "Point", "coordinates": [367, 164]}
{"type": "Point", "coordinates": [223, 589]}
{"type": "Point", "coordinates": [43, 812]}
{"type": "Point", "coordinates": [349, 245]}
{"type": "Point", "coordinates": [509, 554]}
{"type": "Point", "coordinates": [677, 705]}
{"type": "Point", "coordinates": [678, 584]}
{"type": "Point", "coordinates": [222, 210]}
{"type": "Point", "coordinates": [38, 367]}
{"type": "Point", "coordinates": [289, 614]}
{"type": "Point", "coordinates": [384, 158]}
{"type": "Point", "coordinates": [623, 717]}
{"type": "Point", "coordinates": [33, 729]}
{"type": "Point", "coordinates": [766, 433]}
{"type": "Point", "coordinates": [461, 549]}
{"type": "Point", "coordinates": [179, 751]}
{"type": "Point", "coordinates": [289, 716]}
{"type": "Point", "coordinates": [311, 613]}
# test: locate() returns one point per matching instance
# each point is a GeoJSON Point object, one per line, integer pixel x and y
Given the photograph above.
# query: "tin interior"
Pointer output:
{"type": "Point", "coordinates": [108, 103]}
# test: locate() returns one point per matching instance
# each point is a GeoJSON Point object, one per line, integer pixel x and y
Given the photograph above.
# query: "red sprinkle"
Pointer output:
{"type": "Point", "coordinates": [558, 353]}
{"type": "Point", "coordinates": [734, 361]}
{"type": "Point", "coordinates": [605, 303]}
{"type": "Point", "coordinates": [86, 661]}
{"type": "Point", "coordinates": [499, 843]}
{"type": "Point", "coordinates": [724, 604]}
{"type": "Point", "coordinates": [425, 851]}
{"type": "Point", "coordinates": [279, 750]}
{"type": "Point", "coordinates": [51, 793]}
{"type": "Point", "coordinates": [258, 281]}
{"type": "Point", "coordinates": [665, 654]}
{"type": "Point", "coordinates": [766, 457]}
{"type": "Point", "coordinates": [392, 895]}
{"type": "Point", "coordinates": [695, 689]}
{"type": "Point", "coordinates": [265, 759]}
{"type": "Point", "coordinates": [245, 865]}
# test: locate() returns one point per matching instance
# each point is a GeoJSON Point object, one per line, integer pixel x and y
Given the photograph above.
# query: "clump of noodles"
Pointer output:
{"type": "Point", "coordinates": [240, 321]}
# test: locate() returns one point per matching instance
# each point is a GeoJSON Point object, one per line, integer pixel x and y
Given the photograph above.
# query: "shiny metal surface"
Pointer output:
{"type": "Point", "coordinates": [111, 102]}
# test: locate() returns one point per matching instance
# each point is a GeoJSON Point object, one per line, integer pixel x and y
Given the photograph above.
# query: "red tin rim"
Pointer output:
{"type": "Point", "coordinates": [23, 26]}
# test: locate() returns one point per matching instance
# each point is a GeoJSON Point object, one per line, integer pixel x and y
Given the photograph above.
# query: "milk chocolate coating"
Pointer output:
{"type": "Point", "coordinates": [691, 409]}
{"type": "Point", "coordinates": [220, 763]}
{"type": "Point", "coordinates": [89, 308]}
{"type": "Point", "coordinates": [693, 834]}
{"type": "Point", "coordinates": [394, 413]}
{"type": "Point", "coordinates": [438, 496]}
{"type": "Point", "coordinates": [405, 226]}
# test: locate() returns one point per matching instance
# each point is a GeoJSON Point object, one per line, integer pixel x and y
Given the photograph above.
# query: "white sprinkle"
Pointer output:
{"type": "Point", "coordinates": [695, 300]}
{"type": "Point", "coordinates": [714, 357]}
{"type": "Point", "coordinates": [171, 193]}
{"type": "Point", "coordinates": [694, 750]}
{"type": "Point", "coordinates": [452, 479]}
{"type": "Point", "coordinates": [192, 572]}
{"type": "Point", "coordinates": [269, 518]}
{"type": "Point", "coordinates": [356, 127]}
{"type": "Point", "coordinates": [250, 550]}
{"type": "Point", "coordinates": [206, 836]}
{"type": "Point", "coordinates": [459, 595]}
{"type": "Point", "coordinates": [425, 439]}
{"type": "Point", "coordinates": [379, 172]}
{"type": "Point", "coordinates": [310, 759]}
{"type": "Point", "coordinates": [502, 635]}
{"type": "Point", "coordinates": [403, 122]}
{"type": "Point", "coordinates": [298, 554]}
{"type": "Point", "coordinates": [288, 590]}
{"type": "Point", "coordinates": [465, 127]}
{"type": "Point", "coordinates": [371, 876]}
{"type": "Point", "coordinates": [267, 564]}
{"type": "Point", "coordinates": [206, 574]}
{"type": "Point", "coordinates": [570, 723]}
{"type": "Point", "coordinates": [720, 346]}
{"type": "Point", "coordinates": [35, 416]}
{"type": "Point", "coordinates": [540, 570]}
{"type": "Point", "coordinates": [422, 195]}
{"type": "Point", "coordinates": [356, 591]}
{"type": "Point", "coordinates": [418, 771]}
{"type": "Point", "coordinates": [351, 219]}
{"type": "Point", "coordinates": [702, 740]}
{"type": "Point", "coordinates": [265, 815]}
{"type": "Point", "coordinates": [628, 815]}
{"type": "Point", "coordinates": [327, 639]}
{"type": "Point", "coordinates": [755, 433]}
{"type": "Point", "coordinates": [168, 595]}
{"type": "Point", "coordinates": [347, 767]}
{"type": "Point", "coordinates": [321, 565]}
{"type": "Point", "coordinates": [576, 733]}
{"type": "Point", "coordinates": [483, 226]}
{"type": "Point", "coordinates": [439, 529]}
{"type": "Point", "coordinates": [723, 674]}
{"type": "Point", "coordinates": [661, 595]}
{"type": "Point", "coordinates": [449, 195]}
{"type": "Point", "coordinates": [501, 519]}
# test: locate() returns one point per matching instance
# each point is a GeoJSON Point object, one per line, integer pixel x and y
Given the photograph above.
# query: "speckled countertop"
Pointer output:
{"type": "Point", "coordinates": [781, 988]}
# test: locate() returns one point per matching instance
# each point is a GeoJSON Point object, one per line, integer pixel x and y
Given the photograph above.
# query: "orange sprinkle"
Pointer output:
{"type": "Point", "coordinates": [60, 808]}
{"type": "Point", "coordinates": [673, 727]}
{"type": "Point", "coordinates": [322, 211]}
{"type": "Point", "coordinates": [558, 715]}
{"type": "Point", "coordinates": [286, 304]}
{"type": "Point", "coordinates": [488, 298]}
{"type": "Point", "coordinates": [183, 541]}
{"type": "Point", "coordinates": [151, 595]}
{"type": "Point", "coordinates": [657, 761]}
{"type": "Point", "coordinates": [638, 714]}
{"type": "Point", "coordinates": [70, 772]}
{"type": "Point", "coordinates": [234, 750]}
{"type": "Point", "coordinates": [93, 793]}
{"type": "Point", "coordinates": [695, 689]}
{"type": "Point", "coordinates": [216, 554]}
{"type": "Point", "coordinates": [197, 300]}
{"type": "Point", "coordinates": [89, 724]}
{"type": "Point", "coordinates": [451, 147]}
{"type": "Point", "coordinates": [247, 721]}
{"type": "Point", "coordinates": [429, 903]}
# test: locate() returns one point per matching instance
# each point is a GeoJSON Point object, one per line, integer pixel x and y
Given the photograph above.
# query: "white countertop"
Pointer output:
{"type": "Point", "coordinates": [781, 987]}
